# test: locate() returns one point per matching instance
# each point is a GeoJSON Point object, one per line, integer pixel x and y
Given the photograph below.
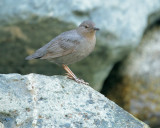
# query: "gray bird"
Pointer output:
{"type": "Point", "coordinates": [69, 47]}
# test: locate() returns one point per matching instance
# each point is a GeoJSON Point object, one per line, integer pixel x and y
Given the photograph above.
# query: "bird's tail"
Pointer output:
{"type": "Point", "coordinates": [29, 57]}
{"type": "Point", "coordinates": [33, 56]}
{"type": "Point", "coordinates": [37, 55]}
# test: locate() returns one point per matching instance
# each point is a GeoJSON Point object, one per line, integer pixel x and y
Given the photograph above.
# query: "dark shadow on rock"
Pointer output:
{"type": "Point", "coordinates": [110, 85]}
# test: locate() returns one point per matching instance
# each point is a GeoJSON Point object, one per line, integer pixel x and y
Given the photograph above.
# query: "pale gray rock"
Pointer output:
{"type": "Point", "coordinates": [56, 102]}
{"type": "Point", "coordinates": [122, 23]}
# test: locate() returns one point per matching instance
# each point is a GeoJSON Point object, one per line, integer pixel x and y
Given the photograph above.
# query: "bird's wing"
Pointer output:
{"type": "Point", "coordinates": [60, 47]}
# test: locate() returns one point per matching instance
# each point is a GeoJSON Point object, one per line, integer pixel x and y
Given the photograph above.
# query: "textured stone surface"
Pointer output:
{"type": "Point", "coordinates": [140, 79]}
{"type": "Point", "coordinates": [43, 101]}
{"type": "Point", "coordinates": [122, 24]}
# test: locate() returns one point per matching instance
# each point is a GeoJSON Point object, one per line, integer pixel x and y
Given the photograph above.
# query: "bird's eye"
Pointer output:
{"type": "Point", "coordinates": [86, 26]}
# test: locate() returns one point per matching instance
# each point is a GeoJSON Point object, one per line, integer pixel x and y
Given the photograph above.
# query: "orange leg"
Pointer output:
{"type": "Point", "coordinates": [72, 76]}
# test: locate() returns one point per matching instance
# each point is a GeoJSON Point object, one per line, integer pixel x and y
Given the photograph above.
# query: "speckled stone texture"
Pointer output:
{"type": "Point", "coordinates": [56, 102]}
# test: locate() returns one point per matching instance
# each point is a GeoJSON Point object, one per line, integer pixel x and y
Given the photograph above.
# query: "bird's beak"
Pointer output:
{"type": "Point", "coordinates": [96, 28]}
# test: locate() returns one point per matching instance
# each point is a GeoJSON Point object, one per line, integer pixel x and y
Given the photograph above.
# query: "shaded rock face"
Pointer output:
{"type": "Point", "coordinates": [27, 25]}
{"type": "Point", "coordinates": [21, 39]}
{"type": "Point", "coordinates": [139, 80]}
{"type": "Point", "coordinates": [42, 101]}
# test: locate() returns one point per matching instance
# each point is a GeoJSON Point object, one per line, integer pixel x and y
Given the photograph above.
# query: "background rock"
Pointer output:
{"type": "Point", "coordinates": [42, 101]}
{"type": "Point", "coordinates": [27, 25]}
{"type": "Point", "coordinates": [137, 87]}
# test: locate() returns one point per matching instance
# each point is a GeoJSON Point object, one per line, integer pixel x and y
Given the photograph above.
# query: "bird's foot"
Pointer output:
{"type": "Point", "coordinates": [69, 76]}
{"type": "Point", "coordinates": [81, 81]}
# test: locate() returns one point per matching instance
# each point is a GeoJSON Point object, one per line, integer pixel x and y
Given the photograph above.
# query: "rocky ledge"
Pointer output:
{"type": "Point", "coordinates": [34, 100]}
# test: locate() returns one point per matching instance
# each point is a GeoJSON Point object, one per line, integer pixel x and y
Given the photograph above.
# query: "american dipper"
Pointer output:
{"type": "Point", "coordinates": [69, 47]}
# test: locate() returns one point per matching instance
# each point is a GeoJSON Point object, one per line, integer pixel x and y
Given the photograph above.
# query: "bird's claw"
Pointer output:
{"type": "Point", "coordinates": [81, 81]}
{"type": "Point", "coordinates": [69, 76]}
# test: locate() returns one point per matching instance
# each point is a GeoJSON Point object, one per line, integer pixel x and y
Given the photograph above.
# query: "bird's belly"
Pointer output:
{"type": "Point", "coordinates": [68, 59]}
{"type": "Point", "coordinates": [72, 58]}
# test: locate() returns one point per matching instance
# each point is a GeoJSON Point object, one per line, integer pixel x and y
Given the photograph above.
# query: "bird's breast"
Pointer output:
{"type": "Point", "coordinates": [86, 47]}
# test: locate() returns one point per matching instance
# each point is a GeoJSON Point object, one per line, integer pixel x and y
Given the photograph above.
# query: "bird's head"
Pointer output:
{"type": "Point", "coordinates": [87, 28]}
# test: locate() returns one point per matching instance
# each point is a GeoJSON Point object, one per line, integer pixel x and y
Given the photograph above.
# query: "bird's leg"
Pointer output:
{"type": "Point", "coordinates": [72, 76]}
